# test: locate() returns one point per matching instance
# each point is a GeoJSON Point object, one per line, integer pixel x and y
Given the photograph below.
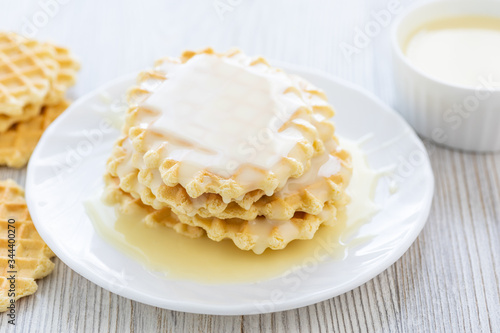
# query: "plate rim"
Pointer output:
{"type": "Point", "coordinates": [244, 308]}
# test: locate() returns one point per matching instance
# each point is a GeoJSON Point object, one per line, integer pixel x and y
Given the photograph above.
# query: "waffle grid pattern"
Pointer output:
{"type": "Point", "coordinates": [27, 70]}
{"type": "Point", "coordinates": [32, 255]}
{"type": "Point", "coordinates": [34, 78]}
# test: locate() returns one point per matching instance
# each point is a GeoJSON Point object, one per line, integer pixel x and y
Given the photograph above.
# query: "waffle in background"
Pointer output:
{"type": "Point", "coordinates": [19, 141]}
{"type": "Point", "coordinates": [28, 70]}
{"type": "Point", "coordinates": [32, 255]}
{"type": "Point", "coordinates": [34, 78]}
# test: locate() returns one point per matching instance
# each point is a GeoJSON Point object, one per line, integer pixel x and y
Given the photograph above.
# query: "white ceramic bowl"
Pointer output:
{"type": "Point", "coordinates": [428, 103]}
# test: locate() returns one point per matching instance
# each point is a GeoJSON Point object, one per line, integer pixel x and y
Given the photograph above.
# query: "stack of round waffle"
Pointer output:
{"type": "Point", "coordinates": [226, 145]}
{"type": "Point", "coordinates": [34, 78]}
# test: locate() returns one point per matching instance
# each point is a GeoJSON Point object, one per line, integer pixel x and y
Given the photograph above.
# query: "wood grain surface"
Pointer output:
{"type": "Point", "coordinates": [448, 281]}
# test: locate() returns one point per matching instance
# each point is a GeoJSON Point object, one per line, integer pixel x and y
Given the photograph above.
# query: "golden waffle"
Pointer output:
{"type": "Point", "coordinates": [42, 69]}
{"type": "Point", "coordinates": [127, 205]}
{"type": "Point", "coordinates": [256, 235]}
{"type": "Point", "coordinates": [32, 255]}
{"type": "Point", "coordinates": [66, 76]}
{"type": "Point", "coordinates": [30, 111]}
{"type": "Point", "coordinates": [311, 120]}
{"type": "Point", "coordinates": [17, 143]}
{"type": "Point", "coordinates": [305, 195]}
{"type": "Point", "coordinates": [27, 70]}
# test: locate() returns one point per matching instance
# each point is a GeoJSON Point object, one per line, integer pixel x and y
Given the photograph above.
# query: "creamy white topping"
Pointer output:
{"type": "Point", "coordinates": [322, 166]}
{"type": "Point", "coordinates": [231, 113]}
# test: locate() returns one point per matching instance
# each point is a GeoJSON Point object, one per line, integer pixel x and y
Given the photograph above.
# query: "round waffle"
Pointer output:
{"type": "Point", "coordinates": [27, 70]}
{"type": "Point", "coordinates": [19, 141]}
{"type": "Point", "coordinates": [154, 166]}
{"type": "Point", "coordinates": [32, 75]}
{"type": "Point", "coordinates": [307, 193]}
{"type": "Point", "coordinates": [31, 257]}
{"type": "Point", "coordinates": [208, 159]}
{"type": "Point", "coordinates": [256, 235]}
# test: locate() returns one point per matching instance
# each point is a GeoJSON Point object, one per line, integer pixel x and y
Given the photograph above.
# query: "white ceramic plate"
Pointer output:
{"type": "Point", "coordinates": [67, 166]}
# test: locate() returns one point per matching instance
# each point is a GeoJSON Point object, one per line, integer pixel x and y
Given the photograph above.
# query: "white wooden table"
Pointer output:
{"type": "Point", "coordinates": [447, 281]}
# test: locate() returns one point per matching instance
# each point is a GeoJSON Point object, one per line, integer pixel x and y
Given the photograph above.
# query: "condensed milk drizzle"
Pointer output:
{"type": "Point", "coordinates": [227, 115]}
{"type": "Point", "coordinates": [210, 92]}
{"type": "Point", "coordinates": [161, 249]}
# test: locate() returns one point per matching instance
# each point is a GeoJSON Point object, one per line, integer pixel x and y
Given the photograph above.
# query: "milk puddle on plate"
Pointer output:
{"type": "Point", "coordinates": [163, 250]}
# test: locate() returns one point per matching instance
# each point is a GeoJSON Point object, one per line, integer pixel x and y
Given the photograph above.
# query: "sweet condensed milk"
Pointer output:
{"type": "Point", "coordinates": [162, 249]}
{"type": "Point", "coordinates": [226, 124]}
{"type": "Point", "coordinates": [462, 50]}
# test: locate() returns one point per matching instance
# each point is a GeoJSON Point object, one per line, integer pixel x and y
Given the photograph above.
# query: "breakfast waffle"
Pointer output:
{"type": "Point", "coordinates": [302, 132]}
{"type": "Point", "coordinates": [27, 70]}
{"type": "Point", "coordinates": [307, 193]}
{"type": "Point", "coordinates": [256, 235]}
{"type": "Point", "coordinates": [19, 141]}
{"type": "Point", "coordinates": [24, 256]}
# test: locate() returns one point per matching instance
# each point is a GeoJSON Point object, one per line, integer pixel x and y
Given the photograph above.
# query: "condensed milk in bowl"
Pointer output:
{"type": "Point", "coordinates": [447, 72]}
